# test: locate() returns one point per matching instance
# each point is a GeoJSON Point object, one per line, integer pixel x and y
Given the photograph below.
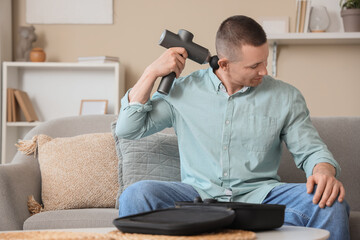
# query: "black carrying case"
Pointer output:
{"type": "Point", "coordinates": [248, 216]}
{"type": "Point", "coordinates": [177, 221]}
{"type": "Point", "coordinates": [190, 218]}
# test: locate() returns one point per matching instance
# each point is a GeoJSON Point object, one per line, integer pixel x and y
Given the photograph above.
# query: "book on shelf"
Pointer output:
{"type": "Point", "coordinates": [12, 106]}
{"type": "Point", "coordinates": [307, 16]}
{"type": "Point", "coordinates": [25, 105]}
{"type": "Point", "coordinates": [303, 8]}
{"type": "Point", "coordinates": [19, 100]}
{"type": "Point", "coordinates": [9, 105]}
{"type": "Point", "coordinates": [298, 13]}
{"type": "Point", "coordinates": [98, 59]}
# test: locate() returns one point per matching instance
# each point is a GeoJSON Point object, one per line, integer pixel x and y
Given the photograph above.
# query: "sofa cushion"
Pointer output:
{"type": "Point", "coordinates": [76, 172]}
{"type": "Point", "coordinates": [155, 157]}
{"type": "Point", "coordinates": [74, 218]}
{"type": "Point", "coordinates": [119, 155]}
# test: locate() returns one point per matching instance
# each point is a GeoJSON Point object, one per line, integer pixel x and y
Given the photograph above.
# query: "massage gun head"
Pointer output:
{"type": "Point", "coordinates": [184, 39]}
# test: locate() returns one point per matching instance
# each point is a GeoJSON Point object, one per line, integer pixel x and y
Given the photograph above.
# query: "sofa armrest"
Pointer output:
{"type": "Point", "coordinates": [18, 181]}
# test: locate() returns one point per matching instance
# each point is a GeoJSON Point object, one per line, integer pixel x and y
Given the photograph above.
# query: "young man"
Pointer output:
{"type": "Point", "coordinates": [230, 124]}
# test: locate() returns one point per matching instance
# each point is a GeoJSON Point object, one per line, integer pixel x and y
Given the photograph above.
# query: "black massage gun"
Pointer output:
{"type": "Point", "coordinates": [195, 52]}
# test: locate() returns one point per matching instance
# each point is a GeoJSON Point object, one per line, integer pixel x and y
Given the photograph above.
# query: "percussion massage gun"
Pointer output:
{"type": "Point", "coordinates": [195, 52]}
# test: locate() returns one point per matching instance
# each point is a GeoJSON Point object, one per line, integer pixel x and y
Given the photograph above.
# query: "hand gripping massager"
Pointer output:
{"type": "Point", "coordinates": [195, 52]}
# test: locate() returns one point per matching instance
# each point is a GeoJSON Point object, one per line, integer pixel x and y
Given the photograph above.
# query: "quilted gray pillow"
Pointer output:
{"type": "Point", "coordinates": [155, 157]}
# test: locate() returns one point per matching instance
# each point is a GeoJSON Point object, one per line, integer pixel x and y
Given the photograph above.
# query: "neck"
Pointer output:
{"type": "Point", "coordinates": [230, 87]}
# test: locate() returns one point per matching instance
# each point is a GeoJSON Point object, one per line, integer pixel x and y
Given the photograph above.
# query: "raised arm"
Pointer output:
{"type": "Point", "coordinates": [139, 116]}
{"type": "Point", "coordinates": [172, 60]}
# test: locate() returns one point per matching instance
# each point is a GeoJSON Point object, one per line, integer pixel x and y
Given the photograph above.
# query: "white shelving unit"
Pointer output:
{"type": "Point", "coordinates": [56, 90]}
{"type": "Point", "coordinates": [309, 39]}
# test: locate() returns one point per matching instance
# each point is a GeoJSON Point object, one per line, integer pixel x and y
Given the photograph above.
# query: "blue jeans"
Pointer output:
{"type": "Point", "coordinates": [150, 195]}
{"type": "Point", "coordinates": [300, 210]}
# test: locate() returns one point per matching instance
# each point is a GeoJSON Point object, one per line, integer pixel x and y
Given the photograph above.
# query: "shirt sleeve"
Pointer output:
{"type": "Point", "coordinates": [303, 140]}
{"type": "Point", "coordinates": [138, 120]}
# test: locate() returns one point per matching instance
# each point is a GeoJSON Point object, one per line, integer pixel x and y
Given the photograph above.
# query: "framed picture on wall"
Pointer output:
{"type": "Point", "coordinates": [93, 106]}
{"type": "Point", "coordinates": [275, 25]}
{"type": "Point", "coordinates": [69, 11]}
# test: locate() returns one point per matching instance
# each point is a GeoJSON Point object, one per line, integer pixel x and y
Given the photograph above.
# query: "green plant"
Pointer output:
{"type": "Point", "coordinates": [349, 4]}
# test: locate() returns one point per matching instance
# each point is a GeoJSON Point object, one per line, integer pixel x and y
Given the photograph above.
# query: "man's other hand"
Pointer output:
{"type": "Point", "coordinates": [328, 187]}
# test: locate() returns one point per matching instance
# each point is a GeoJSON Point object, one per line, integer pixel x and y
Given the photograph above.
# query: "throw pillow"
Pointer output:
{"type": "Point", "coordinates": [155, 157]}
{"type": "Point", "coordinates": [76, 172]}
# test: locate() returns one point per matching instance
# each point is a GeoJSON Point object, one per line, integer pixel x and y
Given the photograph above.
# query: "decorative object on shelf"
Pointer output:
{"type": "Point", "coordinates": [37, 55]}
{"type": "Point", "coordinates": [274, 25]}
{"type": "Point", "coordinates": [27, 36]}
{"type": "Point", "coordinates": [90, 107]}
{"type": "Point", "coordinates": [350, 13]}
{"type": "Point", "coordinates": [319, 19]}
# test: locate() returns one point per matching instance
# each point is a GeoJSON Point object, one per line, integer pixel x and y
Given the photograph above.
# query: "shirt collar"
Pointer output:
{"type": "Point", "coordinates": [219, 86]}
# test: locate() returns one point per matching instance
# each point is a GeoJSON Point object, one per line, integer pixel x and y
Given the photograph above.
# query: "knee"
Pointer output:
{"type": "Point", "coordinates": [137, 190]}
{"type": "Point", "coordinates": [339, 209]}
{"type": "Point", "coordinates": [134, 198]}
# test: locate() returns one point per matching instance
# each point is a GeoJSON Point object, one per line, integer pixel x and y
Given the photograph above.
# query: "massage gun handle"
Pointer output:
{"type": "Point", "coordinates": [166, 83]}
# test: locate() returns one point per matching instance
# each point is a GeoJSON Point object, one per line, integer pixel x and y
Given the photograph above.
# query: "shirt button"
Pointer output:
{"type": "Point", "coordinates": [225, 174]}
{"type": "Point", "coordinates": [225, 147]}
{"type": "Point", "coordinates": [228, 192]}
{"type": "Point", "coordinates": [227, 122]}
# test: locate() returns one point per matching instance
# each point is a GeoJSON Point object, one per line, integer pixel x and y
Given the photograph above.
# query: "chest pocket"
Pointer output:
{"type": "Point", "coordinates": [258, 133]}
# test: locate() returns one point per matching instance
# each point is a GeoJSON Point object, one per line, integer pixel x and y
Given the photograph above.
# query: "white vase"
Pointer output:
{"type": "Point", "coordinates": [319, 19]}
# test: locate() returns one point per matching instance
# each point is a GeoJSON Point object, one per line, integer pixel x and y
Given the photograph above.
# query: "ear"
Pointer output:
{"type": "Point", "coordinates": [224, 64]}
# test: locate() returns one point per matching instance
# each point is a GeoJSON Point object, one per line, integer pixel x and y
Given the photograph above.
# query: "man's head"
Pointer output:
{"type": "Point", "coordinates": [242, 49]}
{"type": "Point", "coordinates": [235, 32]}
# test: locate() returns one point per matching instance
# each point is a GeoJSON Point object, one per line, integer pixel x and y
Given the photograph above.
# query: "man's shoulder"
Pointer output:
{"type": "Point", "coordinates": [185, 85]}
{"type": "Point", "coordinates": [192, 77]}
{"type": "Point", "coordinates": [278, 85]}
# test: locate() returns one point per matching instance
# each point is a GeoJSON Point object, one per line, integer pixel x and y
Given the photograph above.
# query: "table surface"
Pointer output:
{"type": "Point", "coordinates": [285, 232]}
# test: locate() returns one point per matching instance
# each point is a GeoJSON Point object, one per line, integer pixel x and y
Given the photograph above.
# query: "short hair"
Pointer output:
{"type": "Point", "coordinates": [235, 32]}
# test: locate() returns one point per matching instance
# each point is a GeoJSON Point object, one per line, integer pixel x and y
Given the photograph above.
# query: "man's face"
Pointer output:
{"type": "Point", "coordinates": [250, 69]}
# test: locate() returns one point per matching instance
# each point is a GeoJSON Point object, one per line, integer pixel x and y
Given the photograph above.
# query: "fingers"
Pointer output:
{"type": "Point", "coordinates": [333, 196]}
{"type": "Point", "coordinates": [327, 192]}
{"type": "Point", "coordinates": [328, 189]}
{"type": "Point", "coordinates": [310, 185]}
{"type": "Point", "coordinates": [181, 51]}
{"type": "Point", "coordinates": [179, 56]}
{"type": "Point", "coordinates": [337, 191]}
{"type": "Point", "coordinates": [172, 60]}
{"type": "Point", "coordinates": [180, 65]}
{"type": "Point", "coordinates": [318, 193]}
{"type": "Point", "coordinates": [342, 194]}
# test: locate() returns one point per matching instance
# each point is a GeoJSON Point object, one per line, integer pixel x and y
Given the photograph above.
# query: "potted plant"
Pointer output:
{"type": "Point", "coordinates": [350, 12]}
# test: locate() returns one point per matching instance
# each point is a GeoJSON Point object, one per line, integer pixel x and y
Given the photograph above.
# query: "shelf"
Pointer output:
{"type": "Point", "coordinates": [315, 38]}
{"type": "Point", "coordinates": [309, 39]}
{"type": "Point", "coordinates": [62, 64]}
{"type": "Point", "coordinates": [23, 124]}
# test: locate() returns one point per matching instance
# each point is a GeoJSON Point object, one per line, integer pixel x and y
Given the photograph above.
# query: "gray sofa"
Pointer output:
{"type": "Point", "coordinates": [21, 177]}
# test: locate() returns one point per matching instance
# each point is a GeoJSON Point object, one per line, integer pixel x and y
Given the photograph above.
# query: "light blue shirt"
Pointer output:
{"type": "Point", "coordinates": [230, 146]}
